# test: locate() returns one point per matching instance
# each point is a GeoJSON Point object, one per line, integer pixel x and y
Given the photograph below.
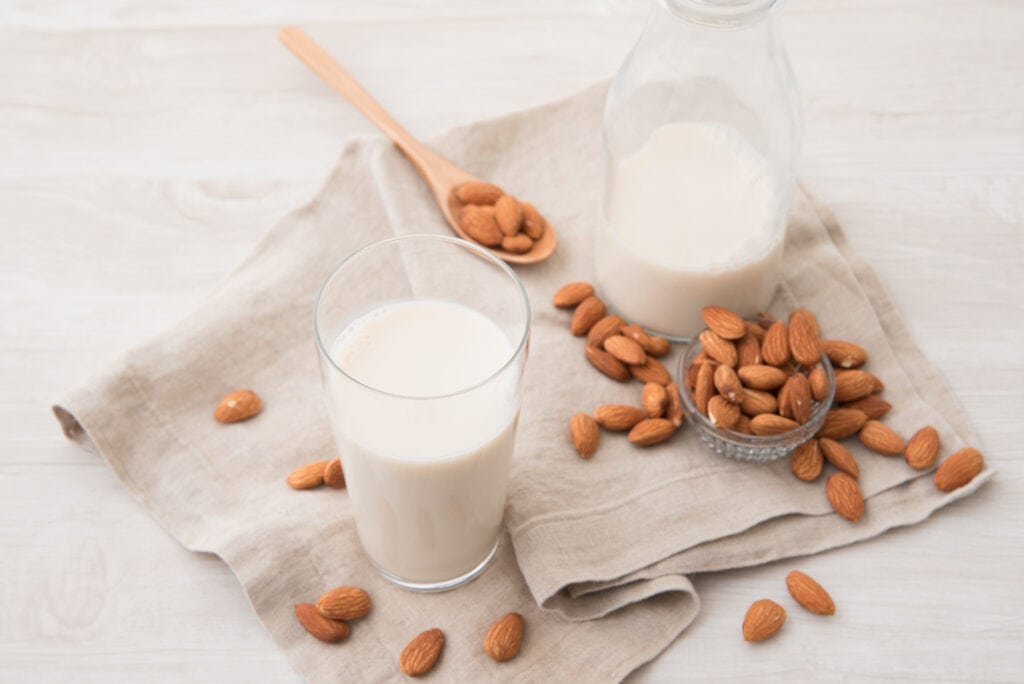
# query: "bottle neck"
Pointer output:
{"type": "Point", "coordinates": [726, 14]}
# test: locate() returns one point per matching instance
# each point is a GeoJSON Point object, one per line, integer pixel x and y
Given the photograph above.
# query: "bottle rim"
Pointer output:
{"type": "Point", "coordinates": [725, 13]}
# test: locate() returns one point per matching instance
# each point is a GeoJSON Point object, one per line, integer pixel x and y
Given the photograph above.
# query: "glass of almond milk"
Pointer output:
{"type": "Point", "coordinates": [422, 343]}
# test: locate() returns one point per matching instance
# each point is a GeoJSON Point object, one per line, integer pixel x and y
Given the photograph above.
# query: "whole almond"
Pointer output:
{"type": "Point", "coordinates": [761, 377]}
{"type": "Point", "coordinates": [839, 456]}
{"type": "Point", "coordinates": [236, 406]}
{"type": "Point", "coordinates": [756, 402]}
{"type": "Point", "coordinates": [922, 448]}
{"type": "Point", "coordinates": [852, 385]}
{"type": "Point", "coordinates": [722, 413]}
{"type": "Point", "coordinates": [881, 439]}
{"type": "Point", "coordinates": [657, 346]}
{"type": "Point", "coordinates": [845, 496]}
{"type": "Point", "coordinates": [804, 339]}
{"type": "Point", "coordinates": [607, 364]}
{"type": "Point", "coordinates": [691, 375]}
{"type": "Point", "coordinates": [844, 354]}
{"type": "Point", "coordinates": [705, 387]}
{"type": "Point", "coordinates": [517, 244]}
{"type": "Point", "coordinates": [344, 603]}
{"type": "Point", "coordinates": [755, 331]}
{"type": "Point", "coordinates": [618, 417]}
{"type": "Point", "coordinates": [873, 406]}
{"type": "Point", "coordinates": [769, 424]}
{"type": "Point", "coordinates": [589, 312]}
{"type": "Point", "coordinates": [603, 329]}
{"type": "Point", "coordinates": [480, 226]}
{"type": "Point", "coordinates": [307, 476]}
{"type": "Point", "coordinates": [723, 322]}
{"type": "Point", "coordinates": [959, 469]}
{"type": "Point", "coordinates": [841, 423]}
{"type": "Point", "coordinates": [504, 638]}
{"type": "Point", "coordinates": [478, 192]}
{"type": "Point", "coordinates": [571, 294]}
{"type": "Point", "coordinates": [421, 654]}
{"type": "Point", "coordinates": [809, 594]}
{"type": "Point", "coordinates": [626, 350]}
{"type": "Point", "coordinates": [534, 224]}
{"type": "Point", "coordinates": [324, 629]}
{"type": "Point", "coordinates": [584, 433]}
{"type": "Point", "coordinates": [748, 351]}
{"type": "Point", "coordinates": [783, 397]}
{"type": "Point", "coordinates": [719, 348]}
{"type": "Point", "coordinates": [650, 371]}
{"type": "Point", "coordinates": [763, 619]}
{"type": "Point", "coordinates": [775, 345]}
{"type": "Point", "coordinates": [651, 431]}
{"type": "Point", "coordinates": [654, 399]}
{"type": "Point", "coordinates": [806, 461]}
{"type": "Point", "coordinates": [635, 332]}
{"type": "Point", "coordinates": [728, 384]}
{"type": "Point", "coordinates": [674, 411]}
{"type": "Point", "coordinates": [819, 383]}
{"type": "Point", "coordinates": [334, 476]}
{"type": "Point", "coordinates": [509, 215]}
{"type": "Point", "coordinates": [799, 397]}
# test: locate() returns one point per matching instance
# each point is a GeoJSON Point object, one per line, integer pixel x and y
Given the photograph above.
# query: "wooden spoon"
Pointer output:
{"type": "Point", "coordinates": [441, 175]}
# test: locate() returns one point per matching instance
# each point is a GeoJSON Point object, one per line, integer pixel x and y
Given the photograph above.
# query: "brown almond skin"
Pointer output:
{"type": "Point", "coordinates": [959, 469]}
{"type": "Point", "coordinates": [324, 629]}
{"type": "Point", "coordinates": [923, 448]}
{"type": "Point", "coordinates": [881, 439]}
{"type": "Point", "coordinates": [657, 346]}
{"type": "Point", "coordinates": [728, 384]}
{"type": "Point", "coordinates": [651, 431]}
{"type": "Point", "coordinates": [804, 339]}
{"type": "Point", "coordinates": [852, 385]}
{"type": "Point", "coordinates": [478, 192]}
{"type": "Point", "coordinates": [509, 216]}
{"type": "Point", "coordinates": [845, 496]}
{"type": "Point", "coordinates": [534, 224]}
{"type": "Point", "coordinates": [480, 226]}
{"type": "Point", "coordinates": [756, 402]}
{"type": "Point", "coordinates": [841, 423]}
{"type": "Point", "coordinates": [618, 417]}
{"type": "Point", "coordinates": [589, 312]}
{"type": "Point", "coordinates": [756, 331]}
{"type": "Point", "coordinates": [344, 603]}
{"type": "Point", "coordinates": [517, 244]}
{"type": "Point", "coordinates": [819, 383]}
{"type": "Point", "coordinates": [651, 371]}
{"type": "Point", "coordinates": [654, 399]}
{"type": "Point", "coordinates": [722, 413]}
{"type": "Point", "coordinates": [873, 406]}
{"type": "Point", "coordinates": [844, 354]}
{"type": "Point", "coordinates": [584, 433]}
{"type": "Point", "coordinates": [809, 594]}
{"type": "Point", "coordinates": [571, 294]}
{"type": "Point", "coordinates": [718, 348]}
{"type": "Point", "coordinates": [839, 456]}
{"type": "Point", "coordinates": [625, 349]}
{"type": "Point", "coordinates": [723, 322]}
{"type": "Point", "coordinates": [806, 461]}
{"type": "Point", "coordinates": [769, 424]}
{"type": "Point", "coordinates": [603, 329]}
{"type": "Point", "coordinates": [308, 476]}
{"type": "Point", "coordinates": [334, 476]}
{"type": "Point", "coordinates": [763, 619]}
{"type": "Point", "coordinates": [799, 399]}
{"type": "Point", "coordinates": [421, 654]}
{"type": "Point", "coordinates": [748, 351]}
{"type": "Point", "coordinates": [775, 345]}
{"type": "Point", "coordinates": [505, 637]}
{"type": "Point", "coordinates": [237, 406]}
{"type": "Point", "coordinates": [705, 387]}
{"type": "Point", "coordinates": [674, 410]}
{"type": "Point", "coordinates": [607, 364]}
{"type": "Point", "coordinates": [761, 376]}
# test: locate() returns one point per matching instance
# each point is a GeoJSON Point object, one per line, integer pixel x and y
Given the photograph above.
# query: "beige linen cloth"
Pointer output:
{"type": "Point", "coordinates": [600, 549]}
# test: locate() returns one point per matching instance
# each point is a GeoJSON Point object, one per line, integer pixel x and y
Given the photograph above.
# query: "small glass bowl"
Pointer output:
{"type": "Point", "coordinates": [743, 447]}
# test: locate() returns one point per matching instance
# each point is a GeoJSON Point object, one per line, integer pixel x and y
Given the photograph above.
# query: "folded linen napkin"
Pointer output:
{"type": "Point", "coordinates": [613, 537]}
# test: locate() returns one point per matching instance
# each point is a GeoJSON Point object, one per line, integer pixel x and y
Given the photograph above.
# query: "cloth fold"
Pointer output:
{"type": "Point", "coordinates": [597, 552]}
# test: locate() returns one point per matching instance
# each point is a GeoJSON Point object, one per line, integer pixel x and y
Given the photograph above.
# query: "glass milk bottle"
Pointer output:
{"type": "Point", "coordinates": [702, 130]}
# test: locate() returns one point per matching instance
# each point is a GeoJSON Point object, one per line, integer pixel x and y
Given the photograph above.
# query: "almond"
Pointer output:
{"type": "Point", "coordinates": [959, 469]}
{"type": "Point", "coordinates": [809, 594]}
{"type": "Point", "coordinates": [654, 399]}
{"type": "Point", "coordinates": [691, 375]}
{"type": "Point", "coordinates": [307, 476]}
{"type": "Point", "coordinates": [844, 354]}
{"type": "Point", "coordinates": [742, 425]}
{"type": "Point", "coordinates": [705, 388]}
{"type": "Point", "coordinates": [651, 431]}
{"type": "Point", "coordinates": [845, 496]}
{"type": "Point", "coordinates": [755, 331]}
{"type": "Point", "coordinates": [534, 224]}
{"type": "Point", "coordinates": [852, 385]}
{"type": "Point", "coordinates": [804, 339]}
{"type": "Point", "coordinates": [324, 629]}
{"type": "Point", "coordinates": [589, 312]}
{"type": "Point", "coordinates": [922, 448]}
{"type": "Point", "coordinates": [517, 244]}
{"type": "Point", "coordinates": [748, 351]}
{"type": "Point", "coordinates": [769, 424]}
{"type": "Point", "coordinates": [478, 192]}
{"type": "Point", "coordinates": [571, 294]}
{"type": "Point", "coordinates": [334, 476]}
{"type": "Point", "coordinates": [718, 348]}
{"type": "Point", "coordinates": [651, 371]}
{"type": "Point", "coordinates": [607, 364]}
{"type": "Point", "coordinates": [344, 603]}
{"type": "Point", "coordinates": [509, 215]}
{"type": "Point", "coordinates": [480, 226]}
{"type": "Point", "coordinates": [783, 398]}
{"type": "Point", "coordinates": [728, 384]}
{"type": "Point", "coordinates": [765, 320]}
{"type": "Point", "coordinates": [722, 413]}
{"type": "Point", "coordinates": [799, 397]}
{"type": "Point", "coordinates": [653, 345]}
{"type": "Point", "coordinates": [674, 412]}
{"type": "Point", "coordinates": [841, 423]}
{"type": "Point", "coordinates": [775, 345]}
{"type": "Point", "coordinates": [421, 654]}
{"type": "Point", "coordinates": [819, 383]}
{"type": "Point", "coordinates": [238, 405]}
{"type": "Point", "coordinates": [625, 349]}
{"type": "Point", "coordinates": [584, 433]}
{"type": "Point", "coordinates": [723, 322]}
{"type": "Point", "coordinates": [839, 456]}
{"type": "Point", "coordinates": [761, 377]}
{"type": "Point", "coordinates": [806, 462]}
{"type": "Point", "coordinates": [873, 406]}
{"type": "Point", "coordinates": [504, 638]}
{"type": "Point", "coordinates": [756, 402]}
{"type": "Point", "coordinates": [881, 439]}
{"type": "Point", "coordinates": [763, 619]}
{"type": "Point", "coordinates": [603, 329]}
{"type": "Point", "coordinates": [618, 417]}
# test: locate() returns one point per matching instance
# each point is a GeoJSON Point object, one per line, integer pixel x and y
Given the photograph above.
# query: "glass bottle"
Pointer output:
{"type": "Point", "coordinates": [702, 132]}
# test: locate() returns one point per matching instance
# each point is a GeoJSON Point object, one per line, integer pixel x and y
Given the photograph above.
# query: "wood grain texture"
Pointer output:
{"type": "Point", "coordinates": [145, 148]}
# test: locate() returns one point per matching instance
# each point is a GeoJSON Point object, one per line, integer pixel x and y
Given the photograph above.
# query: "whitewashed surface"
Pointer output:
{"type": "Point", "coordinates": [145, 146]}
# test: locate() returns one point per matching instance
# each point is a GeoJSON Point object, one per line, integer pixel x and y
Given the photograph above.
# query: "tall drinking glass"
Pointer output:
{"type": "Point", "coordinates": [422, 343]}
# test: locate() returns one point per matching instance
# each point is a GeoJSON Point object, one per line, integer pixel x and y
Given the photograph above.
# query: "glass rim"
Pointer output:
{"type": "Point", "coordinates": [426, 237]}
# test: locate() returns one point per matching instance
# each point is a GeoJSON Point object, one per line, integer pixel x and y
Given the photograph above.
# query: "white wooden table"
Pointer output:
{"type": "Point", "coordinates": [144, 147]}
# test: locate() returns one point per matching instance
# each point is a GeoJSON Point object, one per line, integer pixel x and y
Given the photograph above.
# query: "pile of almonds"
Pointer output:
{"type": "Point", "coordinates": [495, 219]}
{"type": "Point", "coordinates": [622, 352]}
{"type": "Point", "coordinates": [765, 617]}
